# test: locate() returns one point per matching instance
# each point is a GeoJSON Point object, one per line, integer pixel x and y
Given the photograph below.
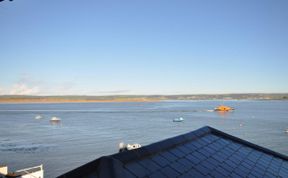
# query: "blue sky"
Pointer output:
{"type": "Point", "coordinates": [143, 47]}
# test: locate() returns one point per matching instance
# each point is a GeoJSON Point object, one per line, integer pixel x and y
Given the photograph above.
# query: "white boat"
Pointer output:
{"type": "Point", "coordinates": [38, 117]}
{"type": "Point", "coordinates": [123, 147]}
{"type": "Point", "coordinates": [55, 119]}
{"type": "Point", "coordinates": [180, 119]}
{"type": "Point", "coordinates": [32, 172]}
{"type": "Point", "coordinates": [133, 146]}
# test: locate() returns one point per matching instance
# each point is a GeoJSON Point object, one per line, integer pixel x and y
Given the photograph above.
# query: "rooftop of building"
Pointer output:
{"type": "Point", "coordinates": [206, 152]}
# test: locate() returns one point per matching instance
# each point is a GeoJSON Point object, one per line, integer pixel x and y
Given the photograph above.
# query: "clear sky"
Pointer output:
{"type": "Point", "coordinates": [107, 47]}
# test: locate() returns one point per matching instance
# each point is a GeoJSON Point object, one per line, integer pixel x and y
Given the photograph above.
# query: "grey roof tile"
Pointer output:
{"type": "Point", "coordinates": [222, 171]}
{"type": "Point", "coordinates": [251, 176]}
{"type": "Point", "coordinates": [259, 168]}
{"type": "Point", "coordinates": [216, 174]}
{"type": "Point", "coordinates": [169, 156]}
{"type": "Point", "coordinates": [274, 167]}
{"type": "Point", "coordinates": [230, 149]}
{"type": "Point", "coordinates": [269, 175]}
{"type": "Point", "coordinates": [218, 157]}
{"type": "Point", "coordinates": [206, 152]}
{"type": "Point", "coordinates": [209, 165]}
{"type": "Point", "coordinates": [185, 175]}
{"type": "Point", "coordinates": [150, 165]}
{"type": "Point", "coordinates": [216, 146]}
{"type": "Point", "coordinates": [179, 167]}
{"type": "Point", "coordinates": [272, 170]}
{"type": "Point", "coordinates": [190, 146]}
{"type": "Point", "coordinates": [195, 174]}
{"type": "Point", "coordinates": [283, 173]}
{"type": "Point", "coordinates": [237, 159]}
{"type": "Point", "coordinates": [277, 161]}
{"type": "Point", "coordinates": [170, 172]}
{"type": "Point", "coordinates": [196, 144]}
{"type": "Point", "coordinates": [248, 164]}
{"type": "Point", "coordinates": [207, 139]}
{"type": "Point", "coordinates": [285, 165]}
{"type": "Point", "coordinates": [213, 162]}
{"type": "Point", "coordinates": [213, 136]}
{"type": "Point", "coordinates": [193, 159]}
{"type": "Point", "coordinates": [234, 146]}
{"type": "Point", "coordinates": [223, 142]}
{"type": "Point", "coordinates": [198, 155]}
{"type": "Point", "coordinates": [234, 175]}
{"type": "Point", "coordinates": [209, 150]}
{"type": "Point", "coordinates": [157, 175]}
{"type": "Point", "coordinates": [137, 169]}
{"type": "Point", "coordinates": [257, 173]}
{"type": "Point", "coordinates": [177, 152]}
{"type": "Point", "coordinates": [184, 150]}
{"type": "Point", "coordinates": [202, 169]}
{"type": "Point", "coordinates": [242, 171]}
{"type": "Point", "coordinates": [186, 163]}
{"type": "Point", "coordinates": [126, 174]}
{"type": "Point", "coordinates": [160, 160]}
{"type": "Point", "coordinates": [228, 167]}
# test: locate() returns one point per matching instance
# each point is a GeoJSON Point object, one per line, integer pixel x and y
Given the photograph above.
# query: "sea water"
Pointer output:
{"type": "Point", "coordinates": [90, 130]}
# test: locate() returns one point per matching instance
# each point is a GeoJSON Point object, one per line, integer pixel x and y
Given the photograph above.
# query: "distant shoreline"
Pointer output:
{"type": "Point", "coordinates": [72, 101]}
{"type": "Point", "coordinates": [138, 98]}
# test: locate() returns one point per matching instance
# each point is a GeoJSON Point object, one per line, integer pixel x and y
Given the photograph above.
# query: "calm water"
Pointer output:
{"type": "Point", "coordinates": [91, 130]}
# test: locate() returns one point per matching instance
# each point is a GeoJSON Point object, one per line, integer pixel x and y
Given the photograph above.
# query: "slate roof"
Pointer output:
{"type": "Point", "coordinates": [206, 152]}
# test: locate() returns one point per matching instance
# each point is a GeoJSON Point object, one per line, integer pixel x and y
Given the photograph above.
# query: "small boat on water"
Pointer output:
{"type": "Point", "coordinates": [32, 172]}
{"type": "Point", "coordinates": [55, 120]}
{"type": "Point", "coordinates": [180, 119]}
{"type": "Point", "coordinates": [223, 108]}
{"type": "Point", "coordinates": [38, 117]}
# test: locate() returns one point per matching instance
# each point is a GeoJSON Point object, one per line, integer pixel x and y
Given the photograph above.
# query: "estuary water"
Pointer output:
{"type": "Point", "coordinates": [90, 130]}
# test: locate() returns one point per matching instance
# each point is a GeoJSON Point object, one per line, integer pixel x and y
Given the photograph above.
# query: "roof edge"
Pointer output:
{"type": "Point", "coordinates": [160, 146]}
{"type": "Point", "coordinates": [107, 164]}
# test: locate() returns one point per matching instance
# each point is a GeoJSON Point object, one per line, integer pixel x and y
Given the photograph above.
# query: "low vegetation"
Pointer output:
{"type": "Point", "coordinates": [138, 98]}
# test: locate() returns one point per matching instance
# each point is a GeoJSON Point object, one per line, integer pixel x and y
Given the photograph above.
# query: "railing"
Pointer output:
{"type": "Point", "coordinates": [31, 170]}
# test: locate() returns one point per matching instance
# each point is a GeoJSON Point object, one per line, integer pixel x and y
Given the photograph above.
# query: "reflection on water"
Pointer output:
{"type": "Point", "coordinates": [224, 114]}
{"type": "Point", "coordinates": [24, 148]}
{"type": "Point", "coordinates": [90, 130]}
{"type": "Point", "coordinates": [55, 123]}
{"type": "Point", "coordinates": [55, 120]}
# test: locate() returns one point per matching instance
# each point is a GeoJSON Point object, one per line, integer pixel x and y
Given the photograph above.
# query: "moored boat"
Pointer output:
{"type": "Point", "coordinates": [180, 119]}
{"type": "Point", "coordinates": [38, 117]}
{"type": "Point", "coordinates": [223, 108]}
{"type": "Point", "coordinates": [55, 119]}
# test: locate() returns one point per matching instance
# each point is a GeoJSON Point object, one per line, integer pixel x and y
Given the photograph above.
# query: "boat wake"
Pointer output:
{"type": "Point", "coordinates": [24, 148]}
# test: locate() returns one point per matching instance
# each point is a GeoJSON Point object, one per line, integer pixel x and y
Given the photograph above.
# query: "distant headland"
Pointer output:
{"type": "Point", "coordinates": [138, 98]}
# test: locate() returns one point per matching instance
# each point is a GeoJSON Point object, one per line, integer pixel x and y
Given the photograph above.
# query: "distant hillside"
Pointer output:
{"type": "Point", "coordinates": [141, 98]}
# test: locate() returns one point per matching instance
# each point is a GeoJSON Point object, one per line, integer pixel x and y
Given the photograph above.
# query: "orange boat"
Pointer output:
{"type": "Point", "coordinates": [223, 108]}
